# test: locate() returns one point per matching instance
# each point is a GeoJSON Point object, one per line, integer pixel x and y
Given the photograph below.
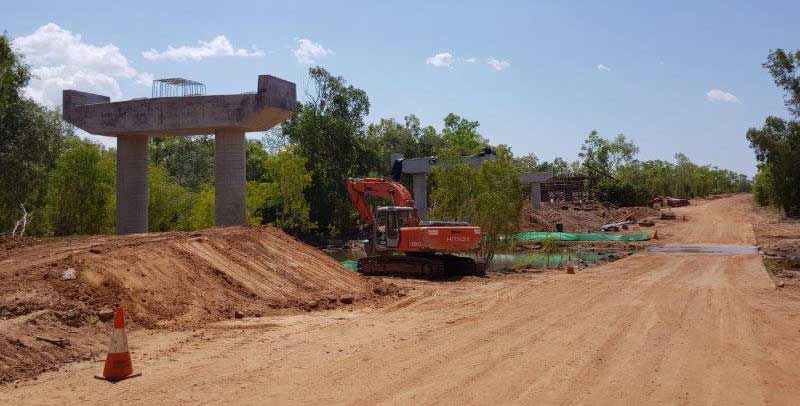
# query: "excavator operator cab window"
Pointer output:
{"type": "Point", "coordinates": [388, 222]}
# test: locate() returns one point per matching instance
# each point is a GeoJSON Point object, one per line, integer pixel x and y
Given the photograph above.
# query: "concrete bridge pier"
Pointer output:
{"type": "Point", "coordinates": [420, 186]}
{"type": "Point", "coordinates": [178, 113]}
{"type": "Point", "coordinates": [230, 178]}
{"type": "Point", "coordinates": [132, 186]}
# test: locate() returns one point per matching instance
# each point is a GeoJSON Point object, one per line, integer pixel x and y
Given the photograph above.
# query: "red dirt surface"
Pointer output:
{"type": "Point", "coordinates": [164, 280]}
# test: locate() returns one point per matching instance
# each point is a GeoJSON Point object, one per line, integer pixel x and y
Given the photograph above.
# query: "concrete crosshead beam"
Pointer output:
{"type": "Point", "coordinates": [228, 117]}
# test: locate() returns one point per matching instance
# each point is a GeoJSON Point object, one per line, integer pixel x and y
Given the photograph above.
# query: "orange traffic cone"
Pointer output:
{"type": "Point", "coordinates": [570, 267]}
{"type": "Point", "coordinates": [655, 235]}
{"type": "Point", "coordinates": [118, 362]}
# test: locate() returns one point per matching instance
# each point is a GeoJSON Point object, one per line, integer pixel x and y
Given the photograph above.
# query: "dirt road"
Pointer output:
{"type": "Point", "coordinates": [652, 328]}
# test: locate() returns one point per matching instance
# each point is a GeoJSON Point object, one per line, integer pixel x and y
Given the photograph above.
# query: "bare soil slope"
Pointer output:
{"type": "Point", "coordinates": [173, 280]}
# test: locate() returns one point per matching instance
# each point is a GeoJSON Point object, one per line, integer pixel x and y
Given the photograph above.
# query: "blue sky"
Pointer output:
{"type": "Point", "coordinates": [673, 76]}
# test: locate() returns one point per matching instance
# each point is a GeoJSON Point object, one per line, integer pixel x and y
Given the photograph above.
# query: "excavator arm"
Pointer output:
{"type": "Point", "coordinates": [360, 189]}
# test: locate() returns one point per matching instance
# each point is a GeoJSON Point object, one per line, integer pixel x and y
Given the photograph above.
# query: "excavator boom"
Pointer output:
{"type": "Point", "coordinates": [361, 188]}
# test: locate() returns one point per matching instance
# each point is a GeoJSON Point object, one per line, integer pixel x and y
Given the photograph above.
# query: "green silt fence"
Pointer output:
{"type": "Point", "coordinates": [536, 236]}
{"type": "Point", "coordinates": [350, 264]}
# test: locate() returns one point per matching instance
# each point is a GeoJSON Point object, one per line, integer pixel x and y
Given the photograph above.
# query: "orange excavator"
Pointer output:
{"type": "Point", "coordinates": [401, 244]}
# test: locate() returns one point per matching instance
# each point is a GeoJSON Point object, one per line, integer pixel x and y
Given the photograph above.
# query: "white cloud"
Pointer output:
{"type": "Point", "coordinates": [603, 68]}
{"type": "Point", "coordinates": [447, 60]}
{"type": "Point", "coordinates": [219, 46]}
{"type": "Point", "coordinates": [441, 60]}
{"type": "Point", "coordinates": [308, 51]}
{"type": "Point", "coordinates": [497, 64]}
{"type": "Point", "coordinates": [60, 59]}
{"type": "Point", "coordinates": [717, 95]}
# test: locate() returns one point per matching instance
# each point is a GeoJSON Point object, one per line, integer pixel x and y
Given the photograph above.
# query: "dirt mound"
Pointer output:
{"type": "Point", "coordinates": [166, 280]}
{"type": "Point", "coordinates": [579, 217]}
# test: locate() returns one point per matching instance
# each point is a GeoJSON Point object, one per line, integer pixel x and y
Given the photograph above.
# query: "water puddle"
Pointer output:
{"type": "Point", "coordinates": [705, 249]}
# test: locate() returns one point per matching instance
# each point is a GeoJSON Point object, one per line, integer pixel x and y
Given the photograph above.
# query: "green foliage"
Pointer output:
{"type": "Point", "coordinates": [682, 178]}
{"type": "Point", "coordinates": [762, 186]}
{"type": "Point", "coordinates": [14, 75]}
{"type": "Point", "coordinates": [601, 157]}
{"type": "Point", "coordinates": [785, 70]}
{"type": "Point", "coordinates": [460, 136]}
{"type": "Point", "coordinates": [31, 139]}
{"type": "Point", "coordinates": [80, 198]}
{"type": "Point", "coordinates": [169, 204]}
{"type": "Point", "coordinates": [777, 143]}
{"type": "Point", "coordinates": [188, 160]}
{"type": "Point", "coordinates": [623, 193]}
{"type": "Point", "coordinates": [489, 196]}
{"type": "Point", "coordinates": [328, 131]}
{"type": "Point", "coordinates": [255, 198]}
{"type": "Point", "coordinates": [202, 214]}
{"type": "Point", "coordinates": [255, 154]}
{"type": "Point", "coordinates": [388, 137]}
{"type": "Point", "coordinates": [777, 146]}
{"type": "Point", "coordinates": [285, 203]}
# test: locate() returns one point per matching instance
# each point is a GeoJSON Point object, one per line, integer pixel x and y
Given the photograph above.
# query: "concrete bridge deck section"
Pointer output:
{"type": "Point", "coordinates": [228, 117]}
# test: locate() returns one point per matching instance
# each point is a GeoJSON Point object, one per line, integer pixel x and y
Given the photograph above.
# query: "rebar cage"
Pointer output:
{"type": "Point", "coordinates": [177, 87]}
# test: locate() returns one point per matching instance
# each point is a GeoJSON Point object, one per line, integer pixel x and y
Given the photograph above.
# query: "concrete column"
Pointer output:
{"type": "Point", "coordinates": [230, 179]}
{"type": "Point", "coordinates": [536, 195]}
{"type": "Point", "coordinates": [420, 187]}
{"type": "Point", "coordinates": [132, 184]}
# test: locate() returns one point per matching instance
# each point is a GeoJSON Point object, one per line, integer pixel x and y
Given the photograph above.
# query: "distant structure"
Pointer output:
{"type": "Point", "coordinates": [421, 168]}
{"type": "Point", "coordinates": [532, 186]}
{"type": "Point", "coordinates": [179, 107]}
{"type": "Point", "coordinates": [566, 188]}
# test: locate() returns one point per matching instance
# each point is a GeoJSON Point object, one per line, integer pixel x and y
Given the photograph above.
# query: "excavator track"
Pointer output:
{"type": "Point", "coordinates": [419, 266]}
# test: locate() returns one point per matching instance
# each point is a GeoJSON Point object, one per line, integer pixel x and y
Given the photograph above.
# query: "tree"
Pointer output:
{"type": "Point", "coordinates": [388, 137]}
{"type": "Point", "coordinates": [777, 143]}
{"type": "Point", "coordinates": [285, 199]}
{"type": "Point", "coordinates": [489, 196]}
{"type": "Point", "coordinates": [169, 203]}
{"type": "Point", "coordinates": [202, 213]}
{"type": "Point", "coordinates": [31, 138]}
{"type": "Point", "coordinates": [81, 197]}
{"type": "Point", "coordinates": [255, 154]}
{"type": "Point", "coordinates": [601, 157]}
{"type": "Point", "coordinates": [762, 186]}
{"type": "Point", "coordinates": [528, 163]}
{"type": "Point", "coordinates": [328, 131]}
{"type": "Point", "coordinates": [188, 160]}
{"type": "Point", "coordinates": [461, 135]}
{"type": "Point", "coordinates": [777, 146]}
{"type": "Point", "coordinates": [785, 70]}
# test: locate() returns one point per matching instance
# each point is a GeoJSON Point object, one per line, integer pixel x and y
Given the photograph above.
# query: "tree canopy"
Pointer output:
{"type": "Point", "coordinates": [777, 143]}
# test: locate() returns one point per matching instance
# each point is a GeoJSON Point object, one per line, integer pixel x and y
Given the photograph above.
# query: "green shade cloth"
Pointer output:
{"type": "Point", "coordinates": [544, 235]}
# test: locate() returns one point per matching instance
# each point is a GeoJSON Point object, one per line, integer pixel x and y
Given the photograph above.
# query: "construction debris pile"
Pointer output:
{"type": "Point", "coordinates": [581, 217]}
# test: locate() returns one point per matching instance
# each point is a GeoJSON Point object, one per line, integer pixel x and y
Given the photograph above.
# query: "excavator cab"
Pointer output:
{"type": "Point", "coordinates": [388, 221]}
